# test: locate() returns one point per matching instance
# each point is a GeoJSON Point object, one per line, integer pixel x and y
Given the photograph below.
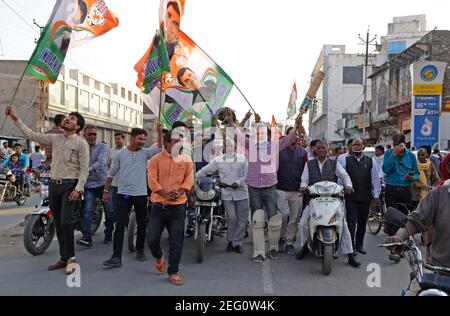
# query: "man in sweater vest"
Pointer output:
{"type": "Point", "coordinates": [318, 170]}
{"type": "Point", "coordinates": [360, 168]}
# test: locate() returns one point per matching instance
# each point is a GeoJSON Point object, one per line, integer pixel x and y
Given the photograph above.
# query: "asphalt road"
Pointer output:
{"type": "Point", "coordinates": [222, 274]}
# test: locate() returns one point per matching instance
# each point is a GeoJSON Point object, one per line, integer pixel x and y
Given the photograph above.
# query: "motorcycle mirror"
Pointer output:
{"type": "Point", "coordinates": [395, 217]}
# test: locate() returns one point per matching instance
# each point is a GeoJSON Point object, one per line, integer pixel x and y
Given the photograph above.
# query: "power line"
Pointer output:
{"type": "Point", "coordinates": [20, 16]}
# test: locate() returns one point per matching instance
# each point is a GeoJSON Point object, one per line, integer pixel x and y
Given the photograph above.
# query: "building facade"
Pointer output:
{"type": "Point", "coordinates": [109, 106]}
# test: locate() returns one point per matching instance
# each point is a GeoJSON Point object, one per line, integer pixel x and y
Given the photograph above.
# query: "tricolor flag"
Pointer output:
{"type": "Point", "coordinates": [196, 86]}
{"type": "Point", "coordinates": [72, 23]}
{"type": "Point", "coordinates": [292, 106]}
{"type": "Point", "coordinates": [276, 134]}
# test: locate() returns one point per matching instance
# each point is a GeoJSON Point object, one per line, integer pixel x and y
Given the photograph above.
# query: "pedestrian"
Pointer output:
{"type": "Point", "coordinates": [56, 129]}
{"type": "Point", "coordinates": [401, 171]}
{"type": "Point", "coordinates": [444, 169]}
{"type": "Point", "coordinates": [93, 190]}
{"type": "Point", "coordinates": [428, 177]}
{"type": "Point", "coordinates": [232, 168]}
{"type": "Point", "coordinates": [378, 159]}
{"type": "Point", "coordinates": [312, 154]}
{"type": "Point", "coordinates": [110, 217]}
{"type": "Point", "coordinates": [5, 150]}
{"type": "Point", "coordinates": [360, 168]}
{"type": "Point", "coordinates": [349, 153]}
{"type": "Point", "coordinates": [69, 172]}
{"type": "Point", "coordinates": [129, 167]}
{"type": "Point", "coordinates": [292, 163]}
{"type": "Point", "coordinates": [171, 176]}
{"type": "Point", "coordinates": [37, 158]}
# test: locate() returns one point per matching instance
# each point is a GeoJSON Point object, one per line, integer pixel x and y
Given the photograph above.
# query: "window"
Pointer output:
{"type": "Point", "coordinates": [57, 93]}
{"type": "Point", "coordinates": [72, 96]}
{"type": "Point", "coordinates": [353, 75]}
{"type": "Point", "coordinates": [104, 107]}
{"type": "Point", "coordinates": [130, 96]}
{"type": "Point", "coordinates": [135, 98]}
{"type": "Point", "coordinates": [84, 101]}
{"type": "Point", "coordinates": [121, 114]}
{"type": "Point", "coordinates": [107, 90]}
{"type": "Point", "coordinates": [122, 93]}
{"type": "Point", "coordinates": [94, 107]}
{"type": "Point", "coordinates": [395, 48]}
{"type": "Point", "coordinates": [97, 85]}
{"type": "Point", "coordinates": [86, 80]}
{"type": "Point", "coordinates": [114, 110]}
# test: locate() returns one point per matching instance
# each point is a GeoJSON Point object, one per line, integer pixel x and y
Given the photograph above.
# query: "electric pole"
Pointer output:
{"type": "Point", "coordinates": [366, 42]}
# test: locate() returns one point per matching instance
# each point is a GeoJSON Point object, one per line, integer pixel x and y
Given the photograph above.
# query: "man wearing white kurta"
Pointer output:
{"type": "Point", "coordinates": [317, 170]}
{"type": "Point", "coordinates": [232, 168]}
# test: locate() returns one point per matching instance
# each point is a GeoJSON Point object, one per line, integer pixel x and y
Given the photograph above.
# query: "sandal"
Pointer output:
{"type": "Point", "coordinates": [175, 279]}
{"type": "Point", "coordinates": [161, 265]}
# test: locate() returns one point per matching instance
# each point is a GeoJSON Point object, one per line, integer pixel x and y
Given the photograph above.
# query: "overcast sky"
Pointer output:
{"type": "Point", "coordinates": [264, 45]}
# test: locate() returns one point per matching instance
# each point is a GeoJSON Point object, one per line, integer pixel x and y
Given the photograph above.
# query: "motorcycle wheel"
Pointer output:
{"type": "Point", "coordinates": [21, 200]}
{"type": "Point", "coordinates": [327, 258]}
{"type": "Point", "coordinates": [37, 228]}
{"type": "Point", "coordinates": [201, 242]}
{"type": "Point", "coordinates": [97, 217]}
{"type": "Point", "coordinates": [374, 223]}
{"type": "Point", "coordinates": [132, 233]}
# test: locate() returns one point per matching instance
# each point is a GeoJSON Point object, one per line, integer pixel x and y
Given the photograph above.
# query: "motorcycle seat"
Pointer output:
{"type": "Point", "coordinates": [435, 281]}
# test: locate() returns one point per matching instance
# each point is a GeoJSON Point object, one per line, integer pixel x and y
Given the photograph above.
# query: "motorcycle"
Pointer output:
{"type": "Point", "coordinates": [210, 218]}
{"type": "Point", "coordinates": [326, 222]}
{"type": "Point", "coordinates": [9, 189]}
{"type": "Point", "coordinates": [40, 227]}
{"type": "Point", "coordinates": [436, 283]}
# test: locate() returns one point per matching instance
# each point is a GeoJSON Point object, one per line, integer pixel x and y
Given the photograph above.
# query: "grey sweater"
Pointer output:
{"type": "Point", "coordinates": [434, 211]}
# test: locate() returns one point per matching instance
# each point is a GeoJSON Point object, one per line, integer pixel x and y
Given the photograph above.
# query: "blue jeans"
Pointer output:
{"type": "Point", "coordinates": [110, 213]}
{"type": "Point", "coordinates": [90, 196]}
{"type": "Point", "coordinates": [263, 199]}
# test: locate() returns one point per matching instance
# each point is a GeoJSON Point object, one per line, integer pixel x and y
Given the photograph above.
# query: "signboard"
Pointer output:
{"type": "Point", "coordinates": [427, 79]}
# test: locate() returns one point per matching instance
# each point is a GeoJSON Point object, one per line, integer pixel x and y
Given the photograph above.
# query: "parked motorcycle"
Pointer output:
{"type": "Point", "coordinates": [210, 219]}
{"type": "Point", "coordinates": [9, 189]}
{"type": "Point", "coordinates": [326, 222]}
{"type": "Point", "coordinates": [40, 227]}
{"type": "Point", "coordinates": [436, 283]}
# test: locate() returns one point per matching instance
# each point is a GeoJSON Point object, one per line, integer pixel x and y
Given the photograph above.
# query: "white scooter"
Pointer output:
{"type": "Point", "coordinates": [326, 221]}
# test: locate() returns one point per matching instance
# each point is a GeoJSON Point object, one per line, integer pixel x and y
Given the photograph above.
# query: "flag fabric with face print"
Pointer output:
{"type": "Point", "coordinates": [72, 23]}
{"type": "Point", "coordinates": [292, 107]}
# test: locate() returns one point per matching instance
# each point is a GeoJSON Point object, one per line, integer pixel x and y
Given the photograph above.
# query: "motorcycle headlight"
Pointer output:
{"type": "Point", "coordinates": [336, 217]}
{"type": "Point", "coordinates": [317, 217]}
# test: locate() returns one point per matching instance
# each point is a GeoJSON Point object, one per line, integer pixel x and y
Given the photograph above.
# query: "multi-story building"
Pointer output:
{"type": "Point", "coordinates": [341, 92]}
{"type": "Point", "coordinates": [109, 106]}
{"type": "Point", "coordinates": [392, 89]}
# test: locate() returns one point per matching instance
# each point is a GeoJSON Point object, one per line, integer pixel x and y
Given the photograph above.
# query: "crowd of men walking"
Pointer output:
{"type": "Point", "coordinates": [265, 177]}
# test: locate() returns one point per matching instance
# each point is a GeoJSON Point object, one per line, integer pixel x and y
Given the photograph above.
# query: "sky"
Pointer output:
{"type": "Point", "coordinates": [264, 45]}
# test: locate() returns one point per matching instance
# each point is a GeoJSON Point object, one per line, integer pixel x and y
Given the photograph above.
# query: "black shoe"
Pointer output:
{"type": "Point", "coordinates": [246, 235]}
{"type": "Point", "coordinates": [258, 259]}
{"type": "Point", "coordinates": [238, 249]}
{"type": "Point", "coordinates": [361, 250]}
{"type": "Point", "coordinates": [113, 263]}
{"type": "Point", "coordinates": [274, 255]}
{"type": "Point", "coordinates": [302, 253]}
{"type": "Point", "coordinates": [395, 258]}
{"type": "Point", "coordinates": [190, 232]}
{"type": "Point", "coordinates": [353, 262]}
{"type": "Point", "coordinates": [230, 247]}
{"type": "Point", "coordinates": [140, 256]}
{"type": "Point", "coordinates": [84, 242]}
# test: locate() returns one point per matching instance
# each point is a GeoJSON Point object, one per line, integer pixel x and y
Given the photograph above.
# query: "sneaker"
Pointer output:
{"type": "Point", "coordinates": [113, 263]}
{"type": "Point", "coordinates": [190, 231]}
{"type": "Point", "coordinates": [161, 265]}
{"type": "Point", "coordinates": [140, 256]}
{"type": "Point", "coordinates": [84, 242]}
{"type": "Point", "coordinates": [290, 250]}
{"type": "Point", "coordinates": [238, 249]}
{"type": "Point", "coordinates": [58, 266]}
{"type": "Point", "coordinates": [71, 266]}
{"type": "Point", "coordinates": [274, 255]}
{"type": "Point", "coordinates": [230, 247]}
{"type": "Point", "coordinates": [258, 259]}
{"type": "Point", "coordinates": [281, 245]}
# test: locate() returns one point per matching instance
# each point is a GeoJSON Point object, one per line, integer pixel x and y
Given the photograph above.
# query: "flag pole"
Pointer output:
{"type": "Point", "coordinates": [237, 87]}
{"type": "Point", "coordinates": [161, 77]}
{"type": "Point", "coordinates": [9, 107]}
